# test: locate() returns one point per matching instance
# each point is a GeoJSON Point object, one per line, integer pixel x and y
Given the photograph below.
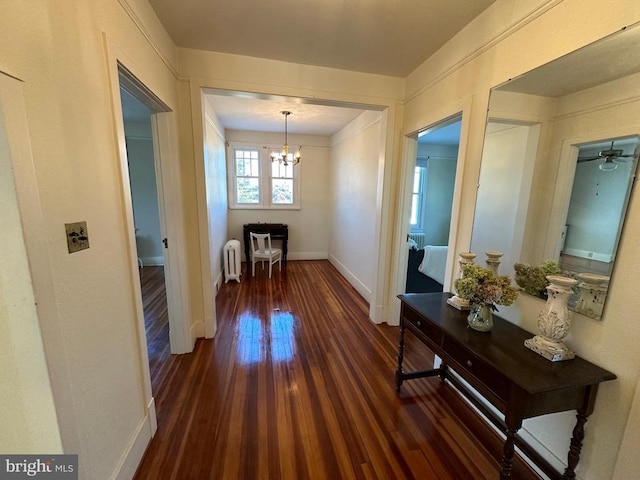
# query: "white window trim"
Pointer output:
{"type": "Point", "coordinates": [419, 227]}
{"type": "Point", "coordinates": [264, 181]}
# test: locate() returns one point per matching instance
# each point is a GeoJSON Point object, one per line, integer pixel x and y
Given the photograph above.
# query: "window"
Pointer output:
{"type": "Point", "coordinates": [417, 198]}
{"type": "Point", "coordinates": [281, 184]}
{"type": "Point", "coordinates": [256, 182]}
{"type": "Point", "coordinates": [247, 169]}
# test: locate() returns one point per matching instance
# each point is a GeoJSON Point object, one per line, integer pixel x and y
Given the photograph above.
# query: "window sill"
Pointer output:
{"type": "Point", "coordinates": [262, 207]}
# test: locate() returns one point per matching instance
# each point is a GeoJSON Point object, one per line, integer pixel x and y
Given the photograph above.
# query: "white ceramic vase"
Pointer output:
{"type": "Point", "coordinates": [493, 260]}
{"type": "Point", "coordinates": [554, 321]}
{"type": "Point", "coordinates": [466, 258]}
{"type": "Point", "coordinates": [593, 290]}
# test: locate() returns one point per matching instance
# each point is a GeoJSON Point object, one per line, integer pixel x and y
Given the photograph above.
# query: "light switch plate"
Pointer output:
{"type": "Point", "coordinates": [77, 236]}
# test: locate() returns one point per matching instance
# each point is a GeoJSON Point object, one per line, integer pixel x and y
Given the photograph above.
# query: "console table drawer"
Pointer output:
{"type": "Point", "coordinates": [469, 363]}
{"type": "Point", "coordinates": [426, 328]}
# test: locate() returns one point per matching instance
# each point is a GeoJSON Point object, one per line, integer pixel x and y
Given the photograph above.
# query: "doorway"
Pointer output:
{"type": "Point", "coordinates": [164, 160]}
{"type": "Point", "coordinates": [433, 183]}
{"type": "Point", "coordinates": [148, 230]}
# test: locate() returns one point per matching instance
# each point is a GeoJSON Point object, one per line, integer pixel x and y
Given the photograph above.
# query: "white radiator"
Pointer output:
{"type": "Point", "coordinates": [232, 261]}
{"type": "Point", "coordinates": [419, 238]}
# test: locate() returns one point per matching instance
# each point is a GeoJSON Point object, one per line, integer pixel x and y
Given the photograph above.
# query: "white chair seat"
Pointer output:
{"type": "Point", "coordinates": [261, 251]}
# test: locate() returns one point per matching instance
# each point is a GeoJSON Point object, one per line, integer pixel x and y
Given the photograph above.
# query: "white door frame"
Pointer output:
{"type": "Point", "coordinates": [165, 150]}
{"type": "Point", "coordinates": [39, 346]}
{"type": "Point", "coordinates": [410, 148]}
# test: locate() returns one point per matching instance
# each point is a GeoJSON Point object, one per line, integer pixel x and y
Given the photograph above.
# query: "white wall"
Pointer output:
{"type": "Point", "coordinates": [88, 317]}
{"type": "Point", "coordinates": [441, 176]}
{"type": "Point", "coordinates": [215, 171]}
{"type": "Point", "coordinates": [503, 194]}
{"type": "Point", "coordinates": [247, 74]}
{"type": "Point", "coordinates": [440, 162]}
{"type": "Point", "coordinates": [28, 423]}
{"type": "Point", "coordinates": [596, 209]}
{"type": "Point", "coordinates": [309, 226]}
{"type": "Point", "coordinates": [144, 193]}
{"type": "Point", "coordinates": [353, 191]}
{"type": "Point", "coordinates": [510, 38]}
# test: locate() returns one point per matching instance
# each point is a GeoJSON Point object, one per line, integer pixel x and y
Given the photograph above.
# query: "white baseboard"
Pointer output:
{"type": "Point", "coordinates": [307, 255]}
{"type": "Point", "coordinates": [378, 314]}
{"type": "Point", "coordinates": [600, 257]}
{"type": "Point", "coordinates": [152, 261]}
{"type": "Point", "coordinates": [197, 330]}
{"type": "Point", "coordinates": [151, 412]}
{"type": "Point", "coordinates": [351, 278]}
{"type": "Point", "coordinates": [301, 256]}
{"type": "Point", "coordinates": [218, 283]}
{"type": "Point", "coordinates": [214, 330]}
{"type": "Point", "coordinates": [132, 456]}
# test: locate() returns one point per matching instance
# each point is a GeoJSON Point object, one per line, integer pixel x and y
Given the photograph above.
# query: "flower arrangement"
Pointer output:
{"type": "Point", "coordinates": [533, 279]}
{"type": "Point", "coordinates": [483, 287]}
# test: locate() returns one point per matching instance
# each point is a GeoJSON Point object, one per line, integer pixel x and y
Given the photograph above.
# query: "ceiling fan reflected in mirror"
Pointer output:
{"type": "Point", "coordinates": [611, 157]}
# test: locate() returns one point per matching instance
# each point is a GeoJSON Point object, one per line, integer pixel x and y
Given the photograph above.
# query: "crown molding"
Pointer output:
{"type": "Point", "coordinates": [496, 39]}
{"type": "Point", "coordinates": [130, 11]}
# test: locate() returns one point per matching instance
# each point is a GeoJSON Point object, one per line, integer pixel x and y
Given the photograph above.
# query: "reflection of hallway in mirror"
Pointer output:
{"type": "Point", "coordinates": [569, 263]}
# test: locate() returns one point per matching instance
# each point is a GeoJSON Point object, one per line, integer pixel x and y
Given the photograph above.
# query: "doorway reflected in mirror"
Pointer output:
{"type": "Point", "coordinates": [599, 195]}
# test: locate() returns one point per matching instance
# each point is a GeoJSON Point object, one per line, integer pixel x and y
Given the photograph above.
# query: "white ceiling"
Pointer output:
{"type": "Point", "coordinates": [388, 37]}
{"type": "Point", "coordinates": [608, 59]}
{"type": "Point", "coordinates": [262, 113]}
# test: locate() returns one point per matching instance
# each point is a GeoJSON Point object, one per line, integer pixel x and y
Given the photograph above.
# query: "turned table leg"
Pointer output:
{"type": "Point", "coordinates": [400, 358]}
{"type": "Point", "coordinates": [575, 447]}
{"type": "Point", "coordinates": [577, 437]}
{"type": "Point", "coordinates": [506, 464]}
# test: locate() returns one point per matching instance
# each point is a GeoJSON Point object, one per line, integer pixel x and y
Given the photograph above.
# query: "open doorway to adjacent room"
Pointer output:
{"type": "Point", "coordinates": [433, 184]}
{"type": "Point", "coordinates": [143, 182]}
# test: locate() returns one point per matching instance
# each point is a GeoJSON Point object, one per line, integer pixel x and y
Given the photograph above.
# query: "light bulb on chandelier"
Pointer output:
{"type": "Point", "coordinates": [284, 157]}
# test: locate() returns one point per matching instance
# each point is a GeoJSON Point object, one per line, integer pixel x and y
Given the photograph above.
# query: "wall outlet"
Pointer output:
{"type": "Point", "coordinates": [77, 236]}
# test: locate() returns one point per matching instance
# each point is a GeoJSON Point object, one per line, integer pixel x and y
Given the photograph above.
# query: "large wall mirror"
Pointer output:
{"type": "Point", "coordinates": [559, 161]}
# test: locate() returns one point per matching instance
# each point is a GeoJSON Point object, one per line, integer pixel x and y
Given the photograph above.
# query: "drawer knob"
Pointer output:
{"type": "Point", "coordinates": [469, 363]}
{"type": "Point", "coordinates": [418, 323]}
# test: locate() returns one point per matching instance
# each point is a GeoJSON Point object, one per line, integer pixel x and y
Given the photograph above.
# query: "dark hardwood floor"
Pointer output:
{"type": "Point", "coordinates": [156, 322]}
{"type": "Point", "coordinates": [299, 384]}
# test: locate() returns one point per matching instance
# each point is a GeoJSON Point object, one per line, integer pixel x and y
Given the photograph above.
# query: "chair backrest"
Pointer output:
{"type": "Point", "coordinates": [260, 242]}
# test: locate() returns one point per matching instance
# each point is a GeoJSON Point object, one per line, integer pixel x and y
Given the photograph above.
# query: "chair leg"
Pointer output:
{"type": "Point", "coordinates": [253, 268]}
{"type": "Point", "coordinates": [270, 265]}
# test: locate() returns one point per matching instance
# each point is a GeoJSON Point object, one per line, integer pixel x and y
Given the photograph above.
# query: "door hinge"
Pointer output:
{"type": "Point", "coordinates": [166, 242]}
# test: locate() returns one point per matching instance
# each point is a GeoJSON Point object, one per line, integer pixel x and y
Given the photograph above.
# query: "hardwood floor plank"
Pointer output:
{"type": "Point", "coordinates": [299, 384]}
{"type": "Point", "coordinates": [156, 320]}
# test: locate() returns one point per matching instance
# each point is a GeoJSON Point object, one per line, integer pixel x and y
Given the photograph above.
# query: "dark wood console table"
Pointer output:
{"type": "Point", "coordinates": [518, 382]}
{"type": "Point", "coordinates": [278, 231]}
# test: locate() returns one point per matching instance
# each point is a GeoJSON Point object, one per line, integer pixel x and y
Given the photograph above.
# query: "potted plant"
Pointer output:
{"type": "Point", "coordinates": [533, 279]}
{"type": "Point", "coordinates": [484, 289]}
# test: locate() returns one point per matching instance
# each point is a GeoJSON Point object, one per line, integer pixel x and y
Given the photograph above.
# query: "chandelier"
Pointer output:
{"type": "Point", "coordinates": [284, 157]}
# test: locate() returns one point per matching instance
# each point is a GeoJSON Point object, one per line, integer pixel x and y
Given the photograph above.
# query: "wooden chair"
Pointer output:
{"type": "Point", "coordinates": [262, 250]}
